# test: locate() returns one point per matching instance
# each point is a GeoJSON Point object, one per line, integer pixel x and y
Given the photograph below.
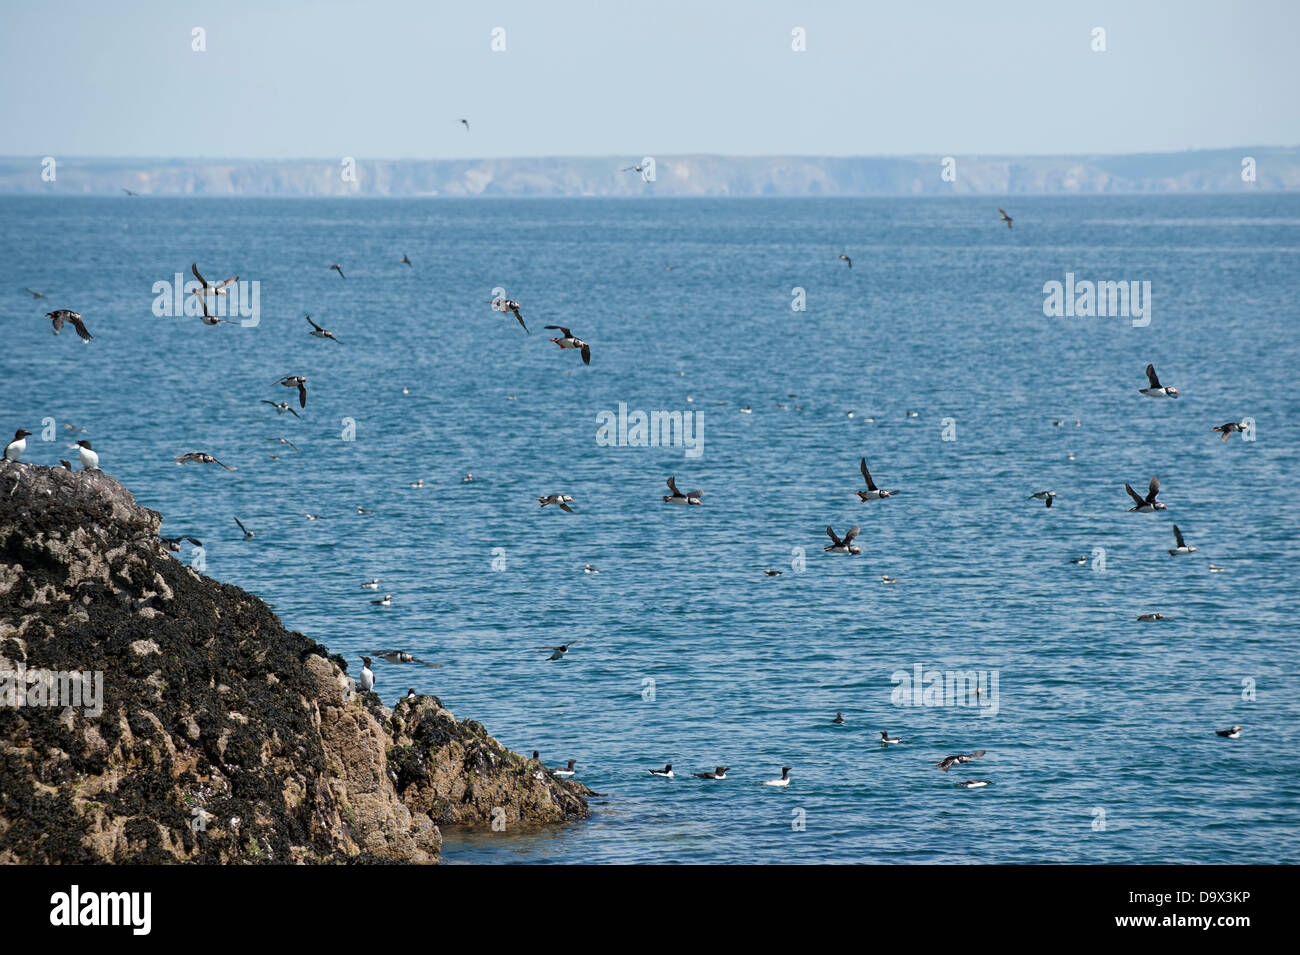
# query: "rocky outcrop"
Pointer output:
{"type": "Point", "coordinates": [218, 735]}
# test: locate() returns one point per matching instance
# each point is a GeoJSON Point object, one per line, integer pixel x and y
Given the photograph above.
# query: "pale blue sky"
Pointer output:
{"type": "Point", "coordinates": [284, 79]}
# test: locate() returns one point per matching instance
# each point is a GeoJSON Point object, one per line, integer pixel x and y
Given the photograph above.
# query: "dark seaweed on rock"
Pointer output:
{"type": "Point", "coordinates": [224, 738]}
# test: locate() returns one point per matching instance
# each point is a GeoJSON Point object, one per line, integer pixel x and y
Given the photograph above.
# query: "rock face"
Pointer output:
{"type": "Point", "coordinates": [220, 737]}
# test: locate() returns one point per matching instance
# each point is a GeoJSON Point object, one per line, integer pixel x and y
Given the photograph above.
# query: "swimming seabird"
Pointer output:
{"type": "Point", "coordinates": [886, 579]}
{"type": "Point", "coordinates": [467, 478]}
{"type": "Point", "coordinates": [207, 288]}
{"type": "Point", "coordinates": [1157, 390]}
{"type": "Point", "coordinates": [1181, 547]}
{"type": "Point", "coordinates": [839, 718]}
{"type": "Point", "coordinates": [677, 497]}
{"type": "Point", "coordinates": [562, 500]}
{"type": "Point", "coordinates": [363, 510]}
{"type": "Point", "coordinates": [15, 448]}
{"type": "Point", "coordinates": [783, 781]}
{"type": "Point", "coordinates": [1045, 496]}
{"type": "Point", "coordinates": [61, 315]}
{"type": "Point", "coordinates": [948, 762]}
{"type": "Point", "coordinates": [718, 773]}
{"type": "Point", "coordinates": [1150, 617]}
{"type": "Point", "coordinates": [372, 584]}
{"type": "Point", "coordinates": [32, 293]}
{"type": "Point", "coordinates": [339, 269]}
{"type": "Point", "coordinates": [1232, 732]}
{"type": "Point", "coordinates": [872, 493]}
{"type": "Point", "coordinates": [401, 656]}
{"type": "Point", "coordinates": [89, 458]}
{"type": "Point", "coordinates": [666, 772]}
{"type": "Point", "coordinates": [1149, 503]}
{"type": "Point", "coordinates": [201, 457]}
{"type": "Point", "coordinates": [1216, 569]}
{"type": "Point", "coordinates": [299, 382]}
{"type": "Point", "coordinates": [769, 572]}
{"type": "Point", "coordinates": [557, 652]}
{"type": "Point", "coordinates": [1229, 428]}
{"type": "Point", "coordinates": [248, 535]}
{"type": "Point", "coordinates": [1080, 561]}
{"type": "Point", "coordinates": [886, 739]}
{"type": "Point", "coordinates": [1005, 218]}
{"type": "Point", "coordinates": [318, 332]}
{"type": "Point", "coordinates": [847, 259]}
{"type": "Point", "coordinates": [404, 260]}
{"type": "Point", "coordinates": [385, 601]}
{"type": "Point", "coordinates": [566, 771]}
{"type": "Point", "coordinates": [504, 304]}
{"type": "Point", "coordinates": [281, 407]}
{"type": "Point", "coordinates": [974, 783]}
{"type": "Point", "coordinates": [845, 546]}
{"type": "Point", "coordinates": [367, 675]}
{"type": "Point", "coordinates": [588, 569]}
{"type": "Point", "coordinates": [571, 341]}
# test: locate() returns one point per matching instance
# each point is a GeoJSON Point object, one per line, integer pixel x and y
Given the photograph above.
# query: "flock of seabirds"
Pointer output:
{"type": "Point", "coordinates": [89, 458]}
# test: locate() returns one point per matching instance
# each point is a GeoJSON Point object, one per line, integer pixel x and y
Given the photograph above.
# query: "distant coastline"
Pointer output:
{"type": "Point", "coordinates": [1239, 170]}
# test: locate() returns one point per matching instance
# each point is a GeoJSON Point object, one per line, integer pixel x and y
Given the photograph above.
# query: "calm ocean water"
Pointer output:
{"type": "Point", "coordinates": [1102, 748]}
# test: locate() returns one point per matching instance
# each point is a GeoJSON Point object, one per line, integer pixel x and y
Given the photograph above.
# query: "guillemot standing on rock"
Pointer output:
{"type": "Point", "coordinates": [677, 497]}
{"type": "Point", "coordinates": [666, 772]}
{"type": "Point", "coordinates": [1181, 547]}
{"type": "Point", "coordinates": [367, 675]}
{"type": "Point", "coordinates": [89, 459]}
{"type": "Point", "coordinates": [1157, 390]}
{"type": "Point", "coordinates": [783, 781]}
{"type": "Point", "coordinates": [15, 448]}
{"type": "Point", "coordinates": [845, 546]}
{"type": "Point", "coordinates": [1232, 732]}
{"type": "Point", "coordinates": [718, 773]}
{"type": "Point", "coordinates": [1149, 503]}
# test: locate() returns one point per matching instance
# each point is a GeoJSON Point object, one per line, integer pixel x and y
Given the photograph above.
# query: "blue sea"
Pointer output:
{"type": "Point", "coordinates": [1102, 748]}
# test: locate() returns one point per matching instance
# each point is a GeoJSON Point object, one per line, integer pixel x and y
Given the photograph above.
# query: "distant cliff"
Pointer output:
{"type": "Point", "coordinates": [164, 717]}
{"type": "Point", "coordinates": [1275, 169]}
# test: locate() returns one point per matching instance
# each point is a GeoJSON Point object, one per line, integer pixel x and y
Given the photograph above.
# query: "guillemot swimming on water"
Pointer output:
{"type": "Point", "coordinates": [15, 448]}
{"type": "Point", "coordinates": [948, 762]}
{"type": "Point", "coordinates": [562, 500]}
{"type": "Point", "coordinates": [845, 546]}
{"type": "Point", "coordinates": [318, 332]}
{"type": "Point", "coordinates": [558, 652]}
{"type": "Point", "coordinates": [1045, 496]}
{"type": "Point", "coordinates": [677, 497]}
{"type": "Point", "coordinates": [367, 675]}
{"type": "Point", "coordinates": [1149, 503]}
{"type": "Point", "coordinates": [281, 407]}
{"type": "Point", "coordinates": [872, 493]}
{"type": "Point", "coordinates": [571, 341]}
{"type": "Point", "coordinates": [299, 382]}
{"type": "Point", "coordinates": [201, 457]}
{"type": "Point", "coordinates": [248, 535]}
{"type": "Point", "coordinates": [1232, 732]}
{"type": "Point", "coordinates": [783, 781]}
{"type": "Point", "coordinates": [1229, 428]}
{"type": "Point", "coordinates": [666, 772]}
{"type": "Point", "coordinates": [504, 304]}
{"type": "Point", "coordinates": [89, 458]}
{"type": "Point", "coordinates": [61, 315]}
{"type": "Point", "coordinates": [718, 773]}
{"type": "Point", "coordinates": [1182, 548]}
{"type": "Point", "coordinates": [1157, 390]}
{"type": "Point", "coordinates": [888, 580]}
{"type": "Point", "coordinates": [886, 739]}
{"type": "Point", "coordinates": [566, 771]}
{"type": "Point", "coordinates": [769, 572]}
{"type": "Point", "coordinates": [974, 783]}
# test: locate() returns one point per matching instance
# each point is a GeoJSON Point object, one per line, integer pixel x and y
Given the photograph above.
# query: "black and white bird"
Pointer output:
{"type": "Point", "coordinates": [872, 493]}
{"type": "Point", "coordinates": [561, 500]}
{"type": "Point", "coordinates": [771, 572]}
{"type": "Point", "coordinates": [1229, 428]}
{"type": "Point", "coordinates": [948, 762]}
{"type": "Point", "coordinates": [845, 546]}
{"type": "Point", "coordinates": [61, 315]}
{"type": "Point", "coordinates": [847, 259]}
{"type": "Point", "coordinates": [1005, 218]}
{"type": "Point", "coordinates": [503, 304]}
{"type": "Point", "coordinates": [299, 382]}
{"type": "Point", "coordinates": [401, 656]}
{"type": "Point", "coordinates": [404, 260]}
{"type": "Point", "coordinates": [201, 457]}
{"type": "Point", "coordinates": [1157, 390]}
{"type": "Point", "coordinates": [33, 293]}
{"type": "Point", "coordinates": [372, 584]}
{"type": "Point", "coordinates": [569, 340]}
{"type": "Point", "coordinates": [557, 652]}
{"type": "Point", "coordinates": [248, 535]}
{"type": "Point", "coordinates": [719, 772]}
{"type": "Point", "coordinates": [1149, 503]}
{"type": "Point", "coordinates": [974, 783]}
{"type": "Point", "coordinates": [677, 497]}
{"type": "Point", "coordinates": [318, 332]}
{"type": "Point", "coordinates": [210, 319]}
{"type": "Point", "coordinates": [887, 740]}
{"type": "Point", "coordinates": [173, 544]}
{"type": "Point", "coordinates": [89, 457]}
{"type": "Point", "coordinates": [1150, 617]}
{"type": "Point", "coordinates": [665, 773]}
{"type": "Point", "coordinates": [1180, 546]}
{"type": "Point", "coordinates": [281, 407]}
{"type": "Point", "coordinates": [1045, 496]}
{"type": "Point", "coordinates": [567, 770]}
{"type": "Point", "coordinates": [206, 288]}
{"type": "Point", "coordinates": [15, 448]}
{"type": "Point", "coordinates": [839, 718]}
{"type": "Point", "coordinates": [339, 269]}
{"type": "Point", "coordinates": [783, 781]}
{"type": "Point", "coordinates": [367, 675]}
{"type": "Point", "coordinates": [385, 601]}
{"type": "Point", "coordinates": [1232, 732]}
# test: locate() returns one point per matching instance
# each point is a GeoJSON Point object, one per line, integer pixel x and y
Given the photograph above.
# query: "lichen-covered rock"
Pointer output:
{"type": "Point", "coordinates": [222, 736]}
